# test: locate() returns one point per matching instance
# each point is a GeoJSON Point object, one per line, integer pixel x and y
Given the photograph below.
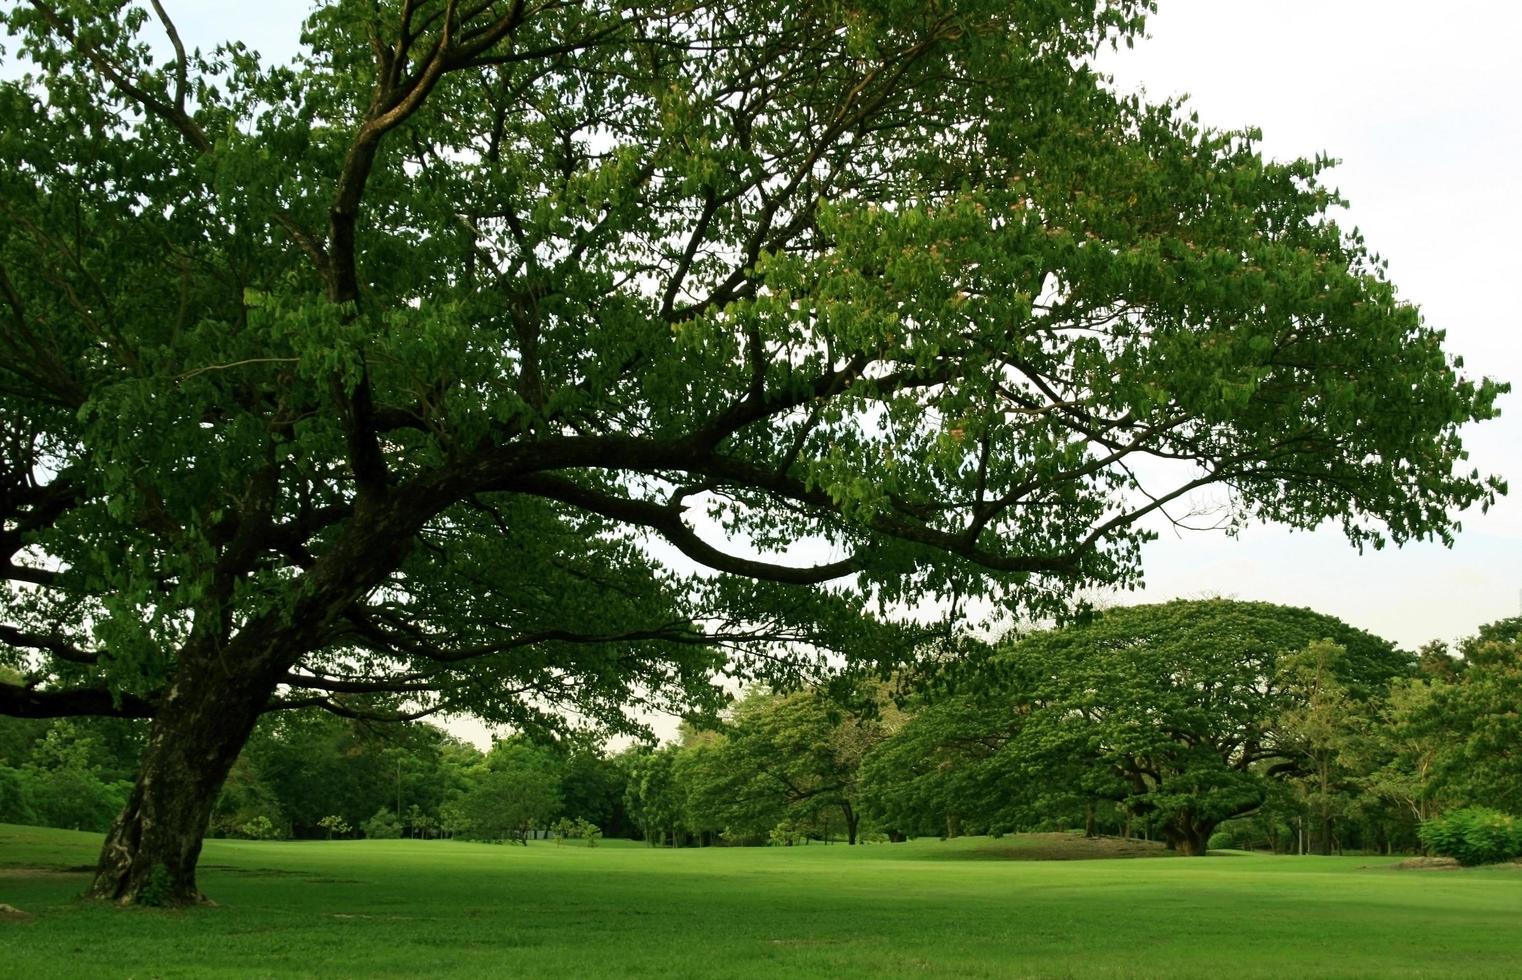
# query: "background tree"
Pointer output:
{"type": "Point", "coordinates": [1191, 704]}
{"type": "Point", "coordinates": [940, 771]}
{"type": "Point", "coordinates": [592, 789]}
{"type": "Point", "coordinates": [1178, 713]}
{"type": "Point", "coordinates": [795, 757]}
{"type": "Point", "coordinates": [364, 382]}
{"type": "Point", "coordinates": [1465, 735]}
{"type": "Point", "coordinates": [653, 796]}
{"type": "Point", "coordinates": [710, 808]}
{"type": "Point", "coordinates": [516, 792]}
{"type": "Point", "coordinates": [1326, 729]}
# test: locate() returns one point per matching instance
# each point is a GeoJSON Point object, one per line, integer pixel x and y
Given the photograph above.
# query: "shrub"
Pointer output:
{"type": "Point", "coordinates": [786, 834]}
{"type": "Point", "coordinates": [1473, 835]}
{"type": "Point", "coordinates": [588, 831]}
{"type": "Point", "coordinates": [383, 826]}
{"type": "Point", "coordinates": [156, 889]}
{"type": "Point", "coordinates": [259, 828]}
{"type": "Point", "coordinates": [1222, 840]}
{"type": "Point", "coordinates": [15, 807]}
{"type": "Point", "coordinates": [334, 824]}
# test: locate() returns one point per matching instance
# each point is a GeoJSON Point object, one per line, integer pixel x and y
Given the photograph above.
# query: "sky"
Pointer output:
{"type": "Point", "coordinates": [1418, 102]}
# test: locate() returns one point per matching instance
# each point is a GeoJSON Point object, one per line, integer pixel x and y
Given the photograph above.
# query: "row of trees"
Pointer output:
{"type": "Point", "coordinates": [1198, 723]}
{"type": "Point", "coordinates": [315, 775]}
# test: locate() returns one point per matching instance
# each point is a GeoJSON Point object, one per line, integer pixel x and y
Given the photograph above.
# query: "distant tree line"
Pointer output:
{"type": "Point", "coordinates": [1212, 724]}
{"type": "Point", "coordinates": [1204, 724]}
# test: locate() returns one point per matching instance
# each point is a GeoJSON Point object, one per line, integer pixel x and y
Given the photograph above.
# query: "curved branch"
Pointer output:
{"type": "Point", "coordinates": [667, 521]}
{"type": "Point", "coordinates": [25, 702]}
{"type": "Point", "coordinates": [50, 644]}
{"type": "Point", "coordinates": [335, 707]}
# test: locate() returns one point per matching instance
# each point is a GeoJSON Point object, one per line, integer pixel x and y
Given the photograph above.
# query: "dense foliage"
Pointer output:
{"type": "Point", "coordinates": [367, 381]}
{"type": "Point", "coordinates": [1234, 731]}
{"type": "Point", "coordinates": [1181, 714]}
{"type": "Point", "coordinates": [1474, 835]}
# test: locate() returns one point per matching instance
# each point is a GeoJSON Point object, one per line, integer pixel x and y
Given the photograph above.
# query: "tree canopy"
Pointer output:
{"type": "Point", "coordinates": [1180, 712]}
{"type": "Point", "coordinates": [779, 759]}
{"type": "Point", "coordinates": [380, 374]}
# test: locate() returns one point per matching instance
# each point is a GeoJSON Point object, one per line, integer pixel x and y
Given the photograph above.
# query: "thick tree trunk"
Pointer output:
{"type": "Point", "coordinates": [853, 820]}
{"type": "Point", "coordinates": [150, 853]}
{"type": "Point", "coordinates": [219, 689]}
{"type": "Point", "coordinates": [1188, 836]}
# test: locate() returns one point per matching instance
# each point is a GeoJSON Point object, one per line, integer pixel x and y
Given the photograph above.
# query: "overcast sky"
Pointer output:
{"type": "Point", "coordinates": [1418, 101]}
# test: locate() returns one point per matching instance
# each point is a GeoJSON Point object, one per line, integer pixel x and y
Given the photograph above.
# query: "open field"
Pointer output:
{"type": "Point", "coordinates": [960, 908]}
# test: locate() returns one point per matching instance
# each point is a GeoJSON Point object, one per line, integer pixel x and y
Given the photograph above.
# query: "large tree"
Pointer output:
{"type": "Point", "coordinates": [1182, 712]}
{"type": "Point", "coordinates": [795, 757]}
{"type": "Point", "coordinates": [1182, 715]}
{"type": "Point", "coordinates": [378, 372]}
{"type": "Point", "coordinates": [1456, 734]}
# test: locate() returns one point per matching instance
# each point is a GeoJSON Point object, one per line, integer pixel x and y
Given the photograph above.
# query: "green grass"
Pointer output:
{"type": "Point", "coordinates": [416, 908]}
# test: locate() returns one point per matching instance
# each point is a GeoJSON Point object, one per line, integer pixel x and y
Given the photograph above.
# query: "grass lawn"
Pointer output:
{"type": "Point", "coordinates": [965, 908]}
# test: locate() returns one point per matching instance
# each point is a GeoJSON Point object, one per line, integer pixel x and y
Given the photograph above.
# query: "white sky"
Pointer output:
{"type": "Point", "coordinates": [1418, 101]}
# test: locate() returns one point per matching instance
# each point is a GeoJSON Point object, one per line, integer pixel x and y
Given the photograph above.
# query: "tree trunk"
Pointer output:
{"type": "Point", "coordinates": [1188, 836]}
{"type": "Point", "coordinates": [220, 687]}
{"type": "Point", "coordinates": [150, 853]}
{"type": "Point", "coordinates": [852, 821]}
{"type": "Point", "coordinates": [1321, 837]}
{"type": "Point", "coordinates": [1089, 830]}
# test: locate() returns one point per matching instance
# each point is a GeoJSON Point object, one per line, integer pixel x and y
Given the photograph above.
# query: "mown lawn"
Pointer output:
{"type": "Point", "coordinates": [960, 908]}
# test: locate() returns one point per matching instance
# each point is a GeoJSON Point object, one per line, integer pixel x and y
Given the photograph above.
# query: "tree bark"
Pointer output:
{"type": "Point", "coordinates": [150, 853]}
{"type": "Point", "coordinates": [1188, 836]}
{"type": "Point", "coordinates": [219, 689]}
{"type": "Point", "coordinates": [853, 820]}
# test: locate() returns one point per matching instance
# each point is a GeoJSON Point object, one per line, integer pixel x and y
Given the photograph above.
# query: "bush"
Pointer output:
{"type": "Point", "coordinates": [1473, 835]}
{"type": "Point", "coordinates": [786, 834]}
{"type": "Point", "coordinates": [334, 824]}
{"type": "Point", "coordinates": [383, 826]}
{"type": "Point", "coordinates": [259, 828]}
{"type": "Point", "coordinates": [73, 799]}
{"type": "Point", "coordinates": [579, 829]}
{"type": "Point", "coordinates": [1223, 840]}
{"type": "Point", "coordinates": [1236, 835]}
{"type": "Point", "coordinates": [15, 807]}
